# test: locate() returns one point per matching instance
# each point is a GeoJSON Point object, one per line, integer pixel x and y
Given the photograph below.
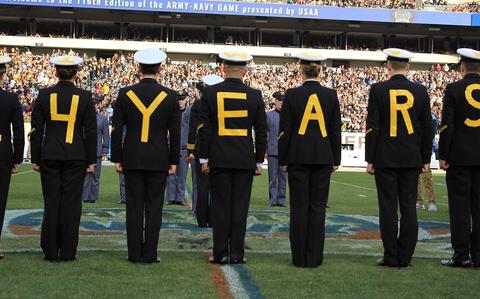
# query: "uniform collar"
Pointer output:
{"type": "Point", "coordinates": [65, 83]}
{"type": "Point", "coordinates": [398, 77]}
{"type": "Point", "coordinates": [311, 82]}
{"type": "Point", "coordinates": [148, 80]}
{"type": "Point", "coordinates": [234, 80]}
{"type": "Point", "coordinates": [471, 75]}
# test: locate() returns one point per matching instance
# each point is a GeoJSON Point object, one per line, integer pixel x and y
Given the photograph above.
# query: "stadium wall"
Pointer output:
{"type": "Point", "coordinates": [283, 54]}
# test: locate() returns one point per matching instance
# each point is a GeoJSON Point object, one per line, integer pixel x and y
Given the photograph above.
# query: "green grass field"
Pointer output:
{"type": "Point", "coordinates": [348, 271]}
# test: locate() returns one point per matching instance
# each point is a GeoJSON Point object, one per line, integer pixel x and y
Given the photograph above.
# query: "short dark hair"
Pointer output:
{"type": "Point", "coordinates": [66, 72]}
{"type": "Point", "coordinates": [311, 70]}
{"type": "Point", "coordinates": [471, 67]}
{"type": "Point", "coordinates": [149, 69]}
{"type": "Point", "coordinates": [398, 65]}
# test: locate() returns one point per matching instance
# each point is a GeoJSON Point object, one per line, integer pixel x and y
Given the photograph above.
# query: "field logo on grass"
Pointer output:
{"type": "Point", "coordinates": [180, 223]}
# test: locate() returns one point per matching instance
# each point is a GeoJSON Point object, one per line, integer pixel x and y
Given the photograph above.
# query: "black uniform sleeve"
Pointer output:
{"type": "Point", "coordinates": [38, 128]}
{"type": "Point", "coordinates": [118, 125]}
{"type": "Point", "coordinates": [285, 130]}
{"type": "Point", "coordinates": [371, 134]}
{"type": "Point", "coordinates": [192, 127]}
{"type": "Point", "coordinates": [336, 131]}
{"type": "Point", "coordinates": [260, 127]}
{"type": "Point", "coordinates": [90, 130]}
{"type": "Point", "coordinates": [447, 127]}
{"type": "Point", "coordinates": [203, 140]}
{"type": "Point", "coordinates": [427, 130]}
{"type": "Point", "coordinates": [18, 132]}
{"type": "Point", "coordinates": [106, 135]}
{"type": "Point", "coordinates": [173, 126]}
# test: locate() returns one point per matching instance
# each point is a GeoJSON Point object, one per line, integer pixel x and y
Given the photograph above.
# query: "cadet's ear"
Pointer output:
{"type": "Point", "coordinates": [407, 67]}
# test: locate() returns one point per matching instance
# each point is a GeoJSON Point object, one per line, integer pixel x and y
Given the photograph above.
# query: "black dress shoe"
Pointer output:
{"type": "Point", "coordinates": [381, 262]}
{"type": "Point", "coordinates": [170, 203]}
{"type": "Point", "coordinates": [50, 259]}
{"type": "Point", "coordinates": [476, 265]}
{"type": "Point", "coordinates": [222, 261]}
{"type": "Point", "coordinates": [134, 261]}
{"type": "Point", "coordinates": [238, 261]}
{"type": "Point", "coordinates": [2, 256]}
{"type": "Point", "coordinates": [92, 201]}
{"type": "Point", "coordinates": [466, 263]}
{"type": "Point", "coordinates": [122, 202]}
{"type": "Point", "coordinates": [149, 261]}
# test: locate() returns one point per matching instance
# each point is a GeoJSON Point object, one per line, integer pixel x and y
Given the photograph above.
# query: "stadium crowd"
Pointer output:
{"type": "Point", "coordinates": [105, 76]}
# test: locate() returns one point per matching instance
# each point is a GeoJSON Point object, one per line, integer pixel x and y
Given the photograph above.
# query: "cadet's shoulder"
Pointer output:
{"type": "Point", "coordinates": [8, 95]}
{"type": "Point", "coordinates": [328, 90]}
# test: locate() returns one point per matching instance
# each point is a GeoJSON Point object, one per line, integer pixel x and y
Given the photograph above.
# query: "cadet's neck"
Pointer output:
{"type": "Point", "coordinates": [399, 72]}
{"type": "Point", "coordinates": [149, 77]}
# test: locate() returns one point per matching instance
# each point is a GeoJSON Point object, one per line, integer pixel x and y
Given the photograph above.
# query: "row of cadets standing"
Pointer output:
{"type": "Point", "coordinates": [310, 150]}
{"type": "Point", "coordinates": [150, 114]}
{"type": "Point", "coordinates": [11, 145]}
{"type": "Point", "coordinates": [398, 147]}
{"type": "Point", "coordinates": [64, 148]}
{"type": "Point", "coordinates": [230, 111]}
{"type": "Point", "coordinates": [201, 201]}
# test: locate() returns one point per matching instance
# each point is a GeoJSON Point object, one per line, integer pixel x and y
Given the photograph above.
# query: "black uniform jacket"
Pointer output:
{"type": "Point", "coordinates": [64, 125]}
{"type": "Point", "coordinates": [11, 117]}
{"type": "Point", "coordinates": [310, 126]}
{"type": "Point", "coordinates": [460, 130]}
{"type": "Point", "coordinates": [399, 124]}
{"type": "Point", "coordinates": [229, 110]}
{"type": "Point", "coordinates": [152, 140]}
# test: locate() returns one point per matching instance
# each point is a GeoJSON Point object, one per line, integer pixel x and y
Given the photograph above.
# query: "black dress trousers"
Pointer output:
{"type": "Point", "coordinates": [230, 194]}
{"type": "Point", "coordinates": [203, 211]}
{"type": "Point", "coordinates": [397, 186]}
{"type": "Point", "coordinates": [309, 187]}
{"type": "Point", "coordinates": [463, 184]}
{"type": "Point", "coordinates": [145, 191]}
{"type": "Point", "coordinates": [62, 183]}
{"type": "Point", "coordinates": [5, 176]}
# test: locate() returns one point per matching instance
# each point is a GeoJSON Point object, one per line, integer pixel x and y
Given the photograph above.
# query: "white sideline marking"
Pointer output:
{"type": "Point", "coordinates": [375, 190]}
{"type": "Point", "coordinates": [27, 171]}
{"type": "Point", "coordinates": [234, 283]}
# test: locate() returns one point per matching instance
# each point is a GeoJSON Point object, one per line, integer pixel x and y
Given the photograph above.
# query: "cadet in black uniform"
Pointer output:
{"type": "Point", "coordinates": [398, 146]}
{"type": "Point", "coordinates": [64, 148]}
{"type": "Point", "coordinates": [310, 150]}
{"type": "Point", "coordinates": [229, 111]}
{"type": "Point", "coordinates": [11, 117]}
{"type": "Point", "coordinates": [459, 156]}
{"type": "Point", "coordinates": [201, 190]}
{"type": "Point", "coordinates": [150, 113]}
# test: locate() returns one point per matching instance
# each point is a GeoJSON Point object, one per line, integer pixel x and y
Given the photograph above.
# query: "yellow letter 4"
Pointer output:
{"type": "Point", "coordinates": [222, 114]}
{"type": "Point", "coordinates": [309, 114]}
{"type": "Point", "coordinates": [146, 112]}
{"type": "Point", "coordinates": [69, 118]}
{"type": "Point", "coordinates": [468, 94]}
{"type": "Point", "coordinates": [403, 108]}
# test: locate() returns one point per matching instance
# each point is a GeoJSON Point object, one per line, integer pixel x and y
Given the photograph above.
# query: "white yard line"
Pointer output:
{"type": "Point", "coordinates": [22, 172]}
{"type": "Point", "coordinates": [234, 282]}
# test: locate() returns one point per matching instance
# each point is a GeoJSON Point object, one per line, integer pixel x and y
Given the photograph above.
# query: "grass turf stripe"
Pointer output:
{"type": "Point", "coordinates": [234, 282]}
{"type": "Point", "coordinates": [248, 282]}
{"type": "Point", "coordinates": [219, 281]}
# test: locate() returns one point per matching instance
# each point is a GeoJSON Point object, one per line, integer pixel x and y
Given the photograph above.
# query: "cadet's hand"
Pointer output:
{"type": "Point", "coordinates": [15, 168]}
{"type": "Point", "coordinates": [172, 170]}
{"type": "Point", "coordinates": [334, 168]}
{"type": "Point", "coordinates": [370, 169]}
{"type": "Point", "coordinates": [284, 168]}
{"type": "Point", "coordinates": [444, 165]}
{"type": "Point", "coordinates": [258, 171]}
{"type": "Point", "coordinates": [205, 168]}
{"type": "Point", "coordinates": [190, 158]}
{"type": "Point", "coordinates": [36, 167]}
{"type": "Point", "coordinates": [91, 168]}
{"type": "Point", "coordinates": [426, 168]}
{"type": "Point", "coordinates": [119, 167]}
